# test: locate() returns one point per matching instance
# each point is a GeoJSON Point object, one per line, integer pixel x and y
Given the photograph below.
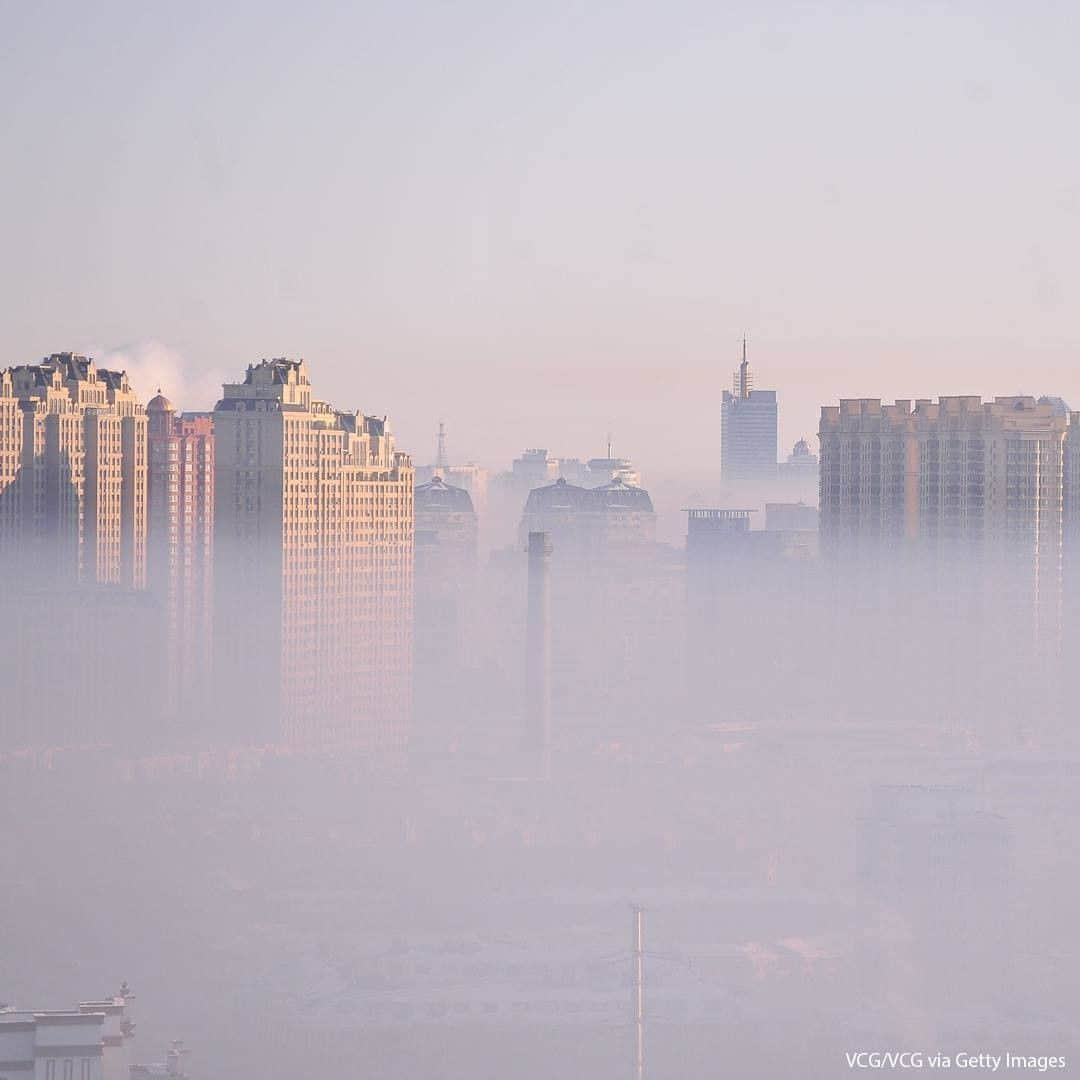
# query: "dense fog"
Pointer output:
{"type": "Point", "coordinates": [844, 798]}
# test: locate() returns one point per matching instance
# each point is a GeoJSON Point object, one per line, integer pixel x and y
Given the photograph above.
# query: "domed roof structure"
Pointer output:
{"type": "Point", "coordinates": [160, 403]}
{"type": "Point", "coordinates": [1058, 405]}
{"type": "Point", "coordinates": [557, 496]}
{"type": "Point", "coordinates": [437, 496]}
{"type": "Point", "coordinates": [618, 494]}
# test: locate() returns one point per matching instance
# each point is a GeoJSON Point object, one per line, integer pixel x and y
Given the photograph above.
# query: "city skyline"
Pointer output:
{"type": "Point", "coordinates": [550, 546]}
{"type": "Point", "coordinates": [452, 231]}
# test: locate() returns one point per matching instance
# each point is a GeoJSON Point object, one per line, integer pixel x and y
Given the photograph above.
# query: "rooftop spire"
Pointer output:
{"type": "Point", "coordinates": [440, 453]}
{"type": "Point", "coordinates": [744, 372]}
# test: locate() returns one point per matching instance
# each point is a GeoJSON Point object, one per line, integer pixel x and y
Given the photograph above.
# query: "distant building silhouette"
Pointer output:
{"type": "Point", "coordinates": [600, 524]}
{"type": "Point", "coordinates": [748, 429]}
{"type": "Point", "coordinates": [798, 476]}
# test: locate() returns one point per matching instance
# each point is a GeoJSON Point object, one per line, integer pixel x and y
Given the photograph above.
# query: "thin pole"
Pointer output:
{"type": "Point", "coordinates": [639, 994]}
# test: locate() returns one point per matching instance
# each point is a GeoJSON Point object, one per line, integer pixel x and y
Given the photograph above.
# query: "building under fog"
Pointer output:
{"type": "Point", "coordinates": [750, 594]}
{"type": "Point", "coordinates": [81, 662]}
{"type": "Point", "coordinates": [445, 609]}
{"type": "Point", "coordinates": [798, 475]}
{"type": "Point", "coordinates": [748, 429]}
{"type": "Point", "coordinates": [72, 473]}
{"type": "Point", "coordinates": [970, 492]}
{"type": "Point", "coordinates": [180, 533]}
{"type": "Point", "coordinates": [313, 554]}
{"type": "Point", "coordinates": [934, 880]}
{"type": "Point", "coordinates": [91, 1042]}
{"type": "Point", "coordinates": [445, 529]}
{"type": "Point", "coordinates": [473, 478]}
{"type": "Point", "coordinates": [610, 522]}
{"type": "Point", "coordinates": [615, 606]}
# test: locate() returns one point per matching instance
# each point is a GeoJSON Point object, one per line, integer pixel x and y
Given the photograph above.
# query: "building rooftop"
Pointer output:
{"type": "Point", "coordinates": [437, 496]}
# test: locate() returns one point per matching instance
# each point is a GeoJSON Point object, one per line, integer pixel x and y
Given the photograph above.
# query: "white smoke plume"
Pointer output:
{"type": "Point", "coordinates": [152, 366]}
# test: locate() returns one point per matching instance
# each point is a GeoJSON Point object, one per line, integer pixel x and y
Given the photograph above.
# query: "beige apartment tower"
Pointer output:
{"type": "Point", "coordinates": [72, 473]}
{"type": "Point", "coordinates": [313, 550]}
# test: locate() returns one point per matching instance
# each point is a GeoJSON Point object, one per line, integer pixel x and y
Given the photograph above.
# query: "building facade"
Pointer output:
{"type": "Point", "coordinates": [959, 485]}
{"type": "Point", "coordinates": [603, 524]}
{"type": "Point", "coordinates": [748, 430]}
{"type": "Point", "coordinates": [180, 544]}
{"type": "Point", "coordinates": [73, 472]}
{"type": "Point", "coordinates": [313, 555]}
{"type": "Point", "coordinates": [91, 1042]}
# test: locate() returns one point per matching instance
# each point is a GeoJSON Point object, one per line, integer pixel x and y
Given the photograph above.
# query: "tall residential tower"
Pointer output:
{"type": "Point", "coordinates": [313, 551]}
{"type": "Point", "coordinates": [73, 471]}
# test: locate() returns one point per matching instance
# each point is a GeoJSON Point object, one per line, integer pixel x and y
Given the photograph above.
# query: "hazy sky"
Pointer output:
{"type": "Point", "coordinates": [545, 222]}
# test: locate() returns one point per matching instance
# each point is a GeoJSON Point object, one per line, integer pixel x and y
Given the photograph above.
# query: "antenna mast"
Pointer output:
{"type": "Point", "coordinates": [440, 454]}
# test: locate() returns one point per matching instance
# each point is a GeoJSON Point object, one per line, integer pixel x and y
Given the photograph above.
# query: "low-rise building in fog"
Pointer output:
{"type": "Point", "coordinates": [91, 1042]}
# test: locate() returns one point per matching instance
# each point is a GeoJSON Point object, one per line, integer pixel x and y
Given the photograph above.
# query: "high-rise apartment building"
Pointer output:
{"type": "Point", "coordinates": [73, 472]}
{"type": "Point", "coordinates": [969, 491]}
{"type": "Point", "coordinates": [180, 533]}
{"type": "Point", "coordinates": [313, 554]}
{"type": "Point", "coordinates": [748, 429]}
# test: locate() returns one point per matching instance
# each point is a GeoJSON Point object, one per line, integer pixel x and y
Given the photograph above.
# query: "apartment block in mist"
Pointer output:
{"type": "Point", "coordinates": [962, 486]}
{"type": "Point", "coordinates": [180, 536]}
{"type": "Point", "coordinates": [748, 430]}
{"type": "Point", "coordinates": [73, 548]}
{"type": "Point", "coordinates": [313, 564]}
{"type": "Point", "coordinates": [72, 473]}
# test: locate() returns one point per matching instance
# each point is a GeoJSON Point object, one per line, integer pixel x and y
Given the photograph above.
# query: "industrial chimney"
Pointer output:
{"type": "Point", "coordinates": [538, 645]}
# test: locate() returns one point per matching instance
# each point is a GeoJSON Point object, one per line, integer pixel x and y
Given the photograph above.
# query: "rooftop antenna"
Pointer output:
{"type": "Point", "coordinates": [639, 993]}
{"type": "Point", "coordinates": [744, 372]}
{"type": "Point", "coordinates": [609, 445]}
{"type": "Point", "coordinates": [440, 453]}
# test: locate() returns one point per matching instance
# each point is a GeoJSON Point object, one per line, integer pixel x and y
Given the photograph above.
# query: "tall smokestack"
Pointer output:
{"type": "Point", "coordinates": [538, 645]}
